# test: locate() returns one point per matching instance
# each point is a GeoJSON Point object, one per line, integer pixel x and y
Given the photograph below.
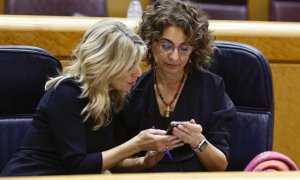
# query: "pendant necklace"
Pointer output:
{"type": "Point", "coordinates": [168, 108]}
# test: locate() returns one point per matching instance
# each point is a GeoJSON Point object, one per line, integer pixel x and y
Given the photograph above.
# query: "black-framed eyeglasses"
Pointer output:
{"type": "Point", "coordinates": [167, 46]}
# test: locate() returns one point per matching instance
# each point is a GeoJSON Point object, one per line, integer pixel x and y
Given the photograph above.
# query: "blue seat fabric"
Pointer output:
{"type": "Point", "coordinates": [24, 71]}
{"type": "Point", "coordinates": [248, 82]}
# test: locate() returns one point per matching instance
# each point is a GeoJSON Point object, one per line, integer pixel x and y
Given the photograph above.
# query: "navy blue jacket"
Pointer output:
{"type": "Point", "coordinates": [58, 142]}
{"type": "Point", "coordinates": [203, 98]}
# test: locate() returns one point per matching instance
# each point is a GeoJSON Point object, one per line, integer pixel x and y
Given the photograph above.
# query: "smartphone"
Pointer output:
{"type": "Point", "coordinates": [172, 125]}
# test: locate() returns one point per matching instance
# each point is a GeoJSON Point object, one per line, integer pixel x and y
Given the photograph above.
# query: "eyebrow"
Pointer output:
{"type": "Point", "coordinates": [184, 43]}
{"type": "Point", "coordinates": [134, 62]}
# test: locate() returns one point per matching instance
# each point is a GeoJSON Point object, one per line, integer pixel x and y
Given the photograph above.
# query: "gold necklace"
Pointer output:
{"type": "Point", "coordinates": [168, 108]}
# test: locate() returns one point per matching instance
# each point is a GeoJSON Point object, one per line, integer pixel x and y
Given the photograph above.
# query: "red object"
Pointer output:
{"type": "Point", "coordinates": [271, 161]}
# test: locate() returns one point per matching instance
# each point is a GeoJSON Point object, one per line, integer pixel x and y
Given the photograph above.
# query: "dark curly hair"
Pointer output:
{"type": "Point", "coordinates": [192, 20]}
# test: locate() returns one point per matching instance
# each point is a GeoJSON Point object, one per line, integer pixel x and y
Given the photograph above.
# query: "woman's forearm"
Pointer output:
{"type": "Point", "coordinates": [114, 156]}
{"type": "Point", "coordinates": [212, 158]}
{"type": "Point", "coordinates": [148, 140]}
{"type": "Point", "coordinates": [131, 165]}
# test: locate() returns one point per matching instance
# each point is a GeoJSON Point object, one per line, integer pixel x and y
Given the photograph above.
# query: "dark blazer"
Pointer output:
{"type": "Point", "coordinates": [203, 98]}
{"type": "Point", "coordinates": [58, 142]}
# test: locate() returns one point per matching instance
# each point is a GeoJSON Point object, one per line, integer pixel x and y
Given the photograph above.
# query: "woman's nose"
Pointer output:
{"type": "Point", "coordinates": [174, 55]}
{"type": "Point", "coordinates": [138, 71]}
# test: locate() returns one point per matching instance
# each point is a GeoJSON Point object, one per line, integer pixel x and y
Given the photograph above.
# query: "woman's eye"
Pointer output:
{"type": "Point", "coordinates": [131, 67]}
{"type": "Point", "coordinates": [166, 46]}
{"type": "Point", "coordinates": [184, 48]}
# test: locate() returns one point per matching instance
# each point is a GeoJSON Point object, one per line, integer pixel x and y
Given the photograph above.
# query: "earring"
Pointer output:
{"type": "Point", "coordinates": [190, 61]}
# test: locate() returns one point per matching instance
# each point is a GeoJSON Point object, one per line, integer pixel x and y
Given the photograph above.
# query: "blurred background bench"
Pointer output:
{"type": "Point", "coordinates": [253, 10]}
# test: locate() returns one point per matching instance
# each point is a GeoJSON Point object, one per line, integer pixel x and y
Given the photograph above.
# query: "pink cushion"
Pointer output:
{"type": "Point", "coordinates": [271, 161]}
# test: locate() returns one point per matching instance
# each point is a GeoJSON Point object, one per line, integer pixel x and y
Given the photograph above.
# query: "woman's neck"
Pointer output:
{"type": "Point", "coordinates": [167, 79]}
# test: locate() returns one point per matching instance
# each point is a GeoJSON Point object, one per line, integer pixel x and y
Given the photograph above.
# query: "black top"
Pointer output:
{"type": "Point", "coordinates": [203, 98]}
{"type": "Point", "coordinates": [58, 142]}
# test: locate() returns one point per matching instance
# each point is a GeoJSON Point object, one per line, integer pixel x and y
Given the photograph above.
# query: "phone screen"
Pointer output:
{"type": "Point", "coordinates": [172, 125]}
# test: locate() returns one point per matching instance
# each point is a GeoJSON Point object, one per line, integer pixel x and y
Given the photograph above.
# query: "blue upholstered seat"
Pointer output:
{"type": "Point", "coordinates": [223, 10]}
{"type": "Point", "coordinates": [248, 82]}
{"type": "Point", "coordinates": [56, 7]}
{"type": "Point", "coordinates": [24, 71]}
{"type": "Point", "coordinates": [285, 10]}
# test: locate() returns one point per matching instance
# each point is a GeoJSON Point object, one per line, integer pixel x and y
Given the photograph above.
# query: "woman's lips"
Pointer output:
{"type": "Point", "coordinates": [172, 65]}
{"type": "Point", "coordinates": [132, 83]}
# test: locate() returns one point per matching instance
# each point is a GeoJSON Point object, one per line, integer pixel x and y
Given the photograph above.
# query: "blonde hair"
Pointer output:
{"type": "Point", "coordinates": [107, 50]}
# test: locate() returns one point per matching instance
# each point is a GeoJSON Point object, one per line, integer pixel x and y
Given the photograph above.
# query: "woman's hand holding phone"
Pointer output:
{"type": "Point", "coordinates": [172, 125]}
{"type": "Point", "coordinates": [189, 132]}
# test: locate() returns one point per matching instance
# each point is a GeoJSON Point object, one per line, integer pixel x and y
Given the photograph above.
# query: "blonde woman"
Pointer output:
{"type": "Point", "coordinates": [73, 130]}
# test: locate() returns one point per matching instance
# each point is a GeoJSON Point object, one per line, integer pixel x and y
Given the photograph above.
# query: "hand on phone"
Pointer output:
{"type": "Point", "coordinates": [172, 125]}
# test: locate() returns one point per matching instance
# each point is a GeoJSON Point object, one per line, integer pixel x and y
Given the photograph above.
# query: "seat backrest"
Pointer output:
{"type": "Point", "coordinates": [24, 71]}
{"type": "Point", "coordinates": [56, 7]}
{"type": "Point", "coordinates": [12, 131]}
{"type": "Point", "coordinates": [223, 10]}
{"type": "Point", "coordinates": [248, 82]}
{"type": "Point", "coordinates": [285, 10]}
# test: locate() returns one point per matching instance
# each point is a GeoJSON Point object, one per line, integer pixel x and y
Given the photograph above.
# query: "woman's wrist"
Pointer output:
{"type": "Point", "coordinates": [142, 163]}
{"type": "Point", "coordinates": [134, 145]}
{"type": "Point", "coordinates": [201, 146]}
{"type": "Point", "coordinates": [197, 142]}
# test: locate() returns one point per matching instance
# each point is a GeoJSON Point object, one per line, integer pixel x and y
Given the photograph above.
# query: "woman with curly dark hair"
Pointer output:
{"type": "Point", "coordinates": [179, 88]}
